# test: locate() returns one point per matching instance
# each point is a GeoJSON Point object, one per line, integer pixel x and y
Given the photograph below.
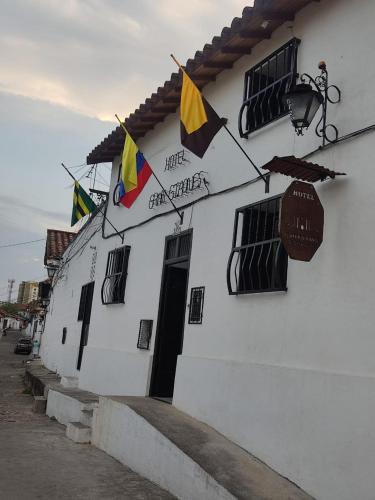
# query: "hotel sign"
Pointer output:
{"type": "Point", "coordinates": [181, 188]}
{"type": "Point", "coordinates": [301, 221]}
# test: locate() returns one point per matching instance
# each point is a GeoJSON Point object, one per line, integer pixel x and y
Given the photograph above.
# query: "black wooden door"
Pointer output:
{"type": "Point", "coordinates": [172, 307]}
{"type": "Point", "coordinates": [85, 314]}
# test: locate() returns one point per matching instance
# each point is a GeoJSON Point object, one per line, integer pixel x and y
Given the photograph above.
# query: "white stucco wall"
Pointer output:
{"type": "Point", "coordinates": [134, 435]}
{"type": "Point", "coordinates": [64, 304]}
{"type": "Point", "coordinates": [286, 375]}
{"type": "Point", "coordinates": [10, 323]}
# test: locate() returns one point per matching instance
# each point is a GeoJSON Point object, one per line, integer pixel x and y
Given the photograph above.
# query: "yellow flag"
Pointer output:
{"type": "Point", "coordinates": [192, 112]}
{"type": "Point", "coordinates": [129, 164]}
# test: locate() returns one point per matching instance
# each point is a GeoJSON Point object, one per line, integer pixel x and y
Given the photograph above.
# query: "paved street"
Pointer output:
{"type": "Point", "coordinates": [37, 461]}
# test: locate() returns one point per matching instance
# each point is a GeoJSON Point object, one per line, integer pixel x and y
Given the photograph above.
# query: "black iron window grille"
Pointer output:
{"type": "Point", "coordinates": [144, 336]}
{"type": "Point", "coordinates": [196, 305]}
{"type": "Point", "coordinates": [113, 288]}
{"type": "Point", "coordinates": [265, 85]}
{"type": "Point", "coordinates": [258, 261]}
{"type": "Point", "coordinates": [178, 246]}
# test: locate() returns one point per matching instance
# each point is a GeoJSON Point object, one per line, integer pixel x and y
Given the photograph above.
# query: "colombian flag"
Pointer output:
{"type": "Point", "coordinates": [135, 172]}
{"type": "Point", "coordinates": [199, 121]}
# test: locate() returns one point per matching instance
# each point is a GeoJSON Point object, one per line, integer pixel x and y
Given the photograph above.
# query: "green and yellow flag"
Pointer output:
{"type": "Point", "coordinates": [199, 121]}
{"type": "Point", "coordinates": [82, 203]}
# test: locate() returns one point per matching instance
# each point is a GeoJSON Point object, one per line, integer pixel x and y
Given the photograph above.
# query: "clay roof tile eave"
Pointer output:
{"type": "Point", "coordinates": [109, 148]}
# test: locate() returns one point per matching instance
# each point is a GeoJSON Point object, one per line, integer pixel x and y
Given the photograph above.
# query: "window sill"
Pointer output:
{"type": "Point", "coordinates": [268, 126]}
{"type": "Point", "coordinates": [252, 292]}
{"type": "Point", "coordinates": [111, 303]}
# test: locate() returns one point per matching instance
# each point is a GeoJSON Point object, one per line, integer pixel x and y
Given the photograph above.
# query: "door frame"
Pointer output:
{"type": "Point", "coordinates": [84, 335]}
{"type": "Point", "coordinates": [166, 263]}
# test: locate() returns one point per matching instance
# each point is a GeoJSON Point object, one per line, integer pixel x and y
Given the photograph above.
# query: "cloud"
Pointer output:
{"type": "Point", "coordinates": [64, 64]}
{"type": "Point", "coordinates": [18, 262]}
{"type": "Point", "coordinates": [33, 217]}
{"type": "Point", "coordinates": [99, 57]}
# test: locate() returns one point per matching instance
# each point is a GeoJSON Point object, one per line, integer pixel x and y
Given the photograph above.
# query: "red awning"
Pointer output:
{"type": "Point", "coordinates": [299, 169]}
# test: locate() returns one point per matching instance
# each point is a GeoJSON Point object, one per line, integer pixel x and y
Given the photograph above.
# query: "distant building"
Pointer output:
{"type": "Point", "coordinates": [21, 291]}
{"type": "Point", "coordinates": [27, 292]}
{"type": "Point", "coordinates": [11, 320]}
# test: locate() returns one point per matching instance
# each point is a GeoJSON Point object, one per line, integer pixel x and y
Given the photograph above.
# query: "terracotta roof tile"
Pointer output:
{"type": "Point", "coordinates": [224, 50]}
{"type": "Point", "coordinates": [300, 169]}
{"type": "Point", "coordinates": [57, 242]}
{"type": "Point", "coordinates": [7, 314]}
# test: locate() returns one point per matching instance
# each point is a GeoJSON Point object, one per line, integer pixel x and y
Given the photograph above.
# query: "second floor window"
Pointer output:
{"type": "Point", "coordinates": [265, 85]}
{"type": "Point", "coordinates": [258, 261]}
{"type": "Point", "coordinates": [113, 288]}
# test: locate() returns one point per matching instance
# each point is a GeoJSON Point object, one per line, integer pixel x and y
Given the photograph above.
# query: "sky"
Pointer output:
{"type": "Point", "coordinates": [66, 68]}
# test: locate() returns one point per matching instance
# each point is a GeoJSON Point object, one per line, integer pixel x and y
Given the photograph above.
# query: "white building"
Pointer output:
{"type": "Point", "coordinates": [288, 374]}
{"type": "Point", "coordinates": [10, 321]}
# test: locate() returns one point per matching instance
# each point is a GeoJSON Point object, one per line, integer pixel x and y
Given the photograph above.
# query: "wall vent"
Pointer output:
{"type": "Point", "coordinates": [144, 336]}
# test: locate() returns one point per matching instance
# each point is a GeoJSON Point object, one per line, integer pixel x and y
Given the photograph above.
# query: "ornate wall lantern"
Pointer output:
{"type": "Point", "coordinates": [45, 302]}
{"type": "Point", "coordinates": [51, 271]}
{"type": "Point", "coordinates": [303, 103]}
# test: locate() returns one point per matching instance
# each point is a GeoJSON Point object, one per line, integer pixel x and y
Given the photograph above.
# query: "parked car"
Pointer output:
{"type": "Point", "coordinates": [23, 346]}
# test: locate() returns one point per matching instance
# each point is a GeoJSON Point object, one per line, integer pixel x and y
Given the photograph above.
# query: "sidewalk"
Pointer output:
{"type": "Point", "coordinates": [37, 461]}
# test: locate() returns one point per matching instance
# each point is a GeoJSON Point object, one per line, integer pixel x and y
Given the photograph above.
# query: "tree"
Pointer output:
{"type": "Point", "coordinates": [9, 307]}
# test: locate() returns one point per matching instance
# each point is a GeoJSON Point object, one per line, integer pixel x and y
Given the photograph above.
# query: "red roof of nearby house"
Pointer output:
{"type": "Point", "coordinates": [257, 23]}
{"type": "Point", "coordinates": [6, 314]}
{"type": "Point", "coordinates": [57, 242]}
{"type": "Point", "coordinates": [21, 307]}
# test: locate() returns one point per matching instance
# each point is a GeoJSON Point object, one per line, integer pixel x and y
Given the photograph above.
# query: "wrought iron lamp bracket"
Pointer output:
{"type": "Point", "coordinates": [320, 82]}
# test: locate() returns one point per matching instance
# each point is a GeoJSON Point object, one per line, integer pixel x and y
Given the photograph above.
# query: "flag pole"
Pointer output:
{"type": "Point", "coordinates": [105, 217]}
{"type": "Point", "coordinates": [178, 64]}
{"type": "Point", "coordinates": [153, 173]}
{"type": "Point", "coordinates": [266, 179]}
{"type": "Point", "coordinates": [71, 175]}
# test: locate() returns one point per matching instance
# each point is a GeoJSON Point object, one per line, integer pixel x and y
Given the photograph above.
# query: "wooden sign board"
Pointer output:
{"type": "Point", "coordinates": [301, 221]}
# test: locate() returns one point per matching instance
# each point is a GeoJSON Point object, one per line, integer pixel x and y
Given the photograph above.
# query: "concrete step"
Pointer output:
{"type": "Point", "coordinates": [67, 404]}
{"type": "Point", "coordinates": [87, 417]}
{"type": "Point", "coordinates": [39, 379]}
{"type": "Point", "coordinates": [78, 432]}
{"type": "Point", "coordinates": [69, 382]}
{"type": "Point", "coordinates": [184, 456]}
{"type": "Point", "coordinates": [39, 404]}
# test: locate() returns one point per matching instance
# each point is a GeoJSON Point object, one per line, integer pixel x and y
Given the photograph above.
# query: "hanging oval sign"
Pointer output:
{"type": "Point", "coordinates": [301, 221]}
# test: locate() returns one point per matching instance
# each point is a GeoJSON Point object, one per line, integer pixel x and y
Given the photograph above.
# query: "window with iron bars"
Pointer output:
{"type": "Point", "coordinates": [113, 288]}
{"type": "Point", "coordinates": [265, 85]}
{"type": "Point", "coordinates": [258, 261]}
{"type": "Point", "coordinates": [196, 305]}
{"type": "Point", "coordinates": [144, 336]}
{"type": "Point", "coordinates": [178, 246]}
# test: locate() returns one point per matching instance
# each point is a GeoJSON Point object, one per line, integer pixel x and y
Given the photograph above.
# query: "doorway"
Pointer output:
{"type": "Point", "coordinates": [84, 315]}
{"type": "Point", "coordinates": [171, 320]}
